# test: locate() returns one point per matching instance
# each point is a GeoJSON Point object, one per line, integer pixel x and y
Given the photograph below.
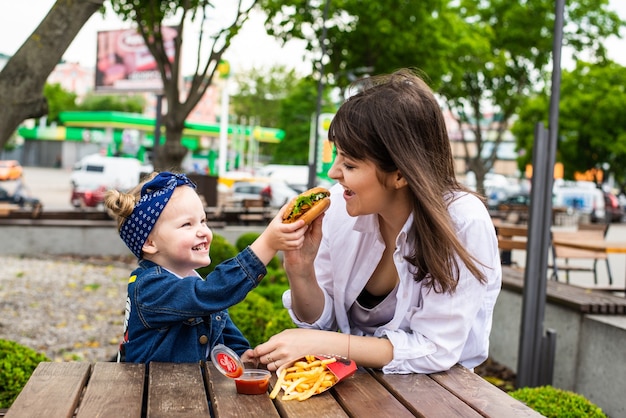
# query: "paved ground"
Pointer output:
{"type": "Point", "coordinates": [50, 185]}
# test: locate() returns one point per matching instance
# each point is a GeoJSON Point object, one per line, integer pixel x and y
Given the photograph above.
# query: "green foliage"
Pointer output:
{"type": "Point", "coordinates": [59, 100]}
{"type": "Point", "coordinates": [117, 103]}
{"type": "Point", "coordinates": [592, 129]}
{"type": "Point", "coordinates": [17, 363]}
{"type": "Point", "coordinates": [552, 402]}
{"type": "Point", "coordinates": [258, 319]}
{"type": "Point", "coordinates": [248, 238]}
{"type": "Point", "coordinates": [220, 251]}
{"type": "Point", "coordinates": [296, 110]}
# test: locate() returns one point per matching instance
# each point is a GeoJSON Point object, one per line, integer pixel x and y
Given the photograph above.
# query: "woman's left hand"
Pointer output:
{"type": "Point", "coordinates": [292, 344]}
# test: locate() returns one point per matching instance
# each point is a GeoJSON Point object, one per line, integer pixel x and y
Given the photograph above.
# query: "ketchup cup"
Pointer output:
{"type": "Point", "coordinates": [247, 382]}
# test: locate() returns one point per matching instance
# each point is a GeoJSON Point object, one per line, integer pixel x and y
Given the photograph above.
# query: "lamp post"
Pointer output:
{"type": "Point", "coordinates": [224, 69]}
{"type": "Point", "coordinates": [313, 157]}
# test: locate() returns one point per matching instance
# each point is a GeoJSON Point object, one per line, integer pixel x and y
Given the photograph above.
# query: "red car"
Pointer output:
{"type": "Point", "coordinates": [88, 197]}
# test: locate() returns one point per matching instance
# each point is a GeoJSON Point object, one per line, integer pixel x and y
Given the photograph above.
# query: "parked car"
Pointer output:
{"type": "Point", "coordinates": [274, 193]}
{"type": "Point", "coordinates": [88, 196]}
{"type": "Point", "coordinates": [10, 170]}
{"type": "Point", "coordinates": [517, 201]}
{"type": "Point", "coordinates": [582, 197]}
{"type": "Point", "coordinates": [614, 211]}
{"type": "Point", "coordinates": [20, 199]}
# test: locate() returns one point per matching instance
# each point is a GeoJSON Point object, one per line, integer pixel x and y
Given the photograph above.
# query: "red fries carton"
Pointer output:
{"type": "Point", "coordinates": [311, 375]}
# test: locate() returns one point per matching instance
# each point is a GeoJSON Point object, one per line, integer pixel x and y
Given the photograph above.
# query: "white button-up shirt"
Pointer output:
{"type": "Point", "coordinates": [430, 331]}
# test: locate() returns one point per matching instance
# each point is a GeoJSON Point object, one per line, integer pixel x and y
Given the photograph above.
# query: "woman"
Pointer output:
{"type": "Point", "coordinates": [405, 263]}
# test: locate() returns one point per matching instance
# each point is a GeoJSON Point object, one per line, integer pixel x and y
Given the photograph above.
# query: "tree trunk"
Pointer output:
{"type": "Point", "coordinates": [23, 78]}
{"type": "Point", "coordinates": [171, 154]}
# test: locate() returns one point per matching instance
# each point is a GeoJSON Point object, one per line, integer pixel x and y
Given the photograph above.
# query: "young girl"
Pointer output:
{"type": "Point", "coordinates": [173, 314]}
{"type": "Point", "coordinates": [406, 264]}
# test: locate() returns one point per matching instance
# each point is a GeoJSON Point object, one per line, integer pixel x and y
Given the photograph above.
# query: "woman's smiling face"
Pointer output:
{"type": "Point", "coordinates": [364, 192]}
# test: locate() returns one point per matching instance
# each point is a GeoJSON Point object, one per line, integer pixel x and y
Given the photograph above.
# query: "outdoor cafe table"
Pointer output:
{"type": "Point", "coordinates": [609, 247]}
{"type": "Point", "coordinates": [108, 389]}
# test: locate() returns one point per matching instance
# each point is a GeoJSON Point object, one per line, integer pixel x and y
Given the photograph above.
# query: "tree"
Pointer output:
{"type": "Point", "coordinates": [296, 115]}
{"type": "Point", "coordinates": [592, 129]}
{"type": "Point", "coordinates": [512, 58]}
{"type": "Point", "coordinates": [150, 17]}
{"type": "Point", "coordinates": [276, 97]}
{"type": "Point", "coordinates": [118, 103]}
{"type": "Point", "coordinates": [58, 100]}
{"type": "Point", "coordinates": [480, 56]}
{"type": "Point", "coordinates": [23, 78]}
{"type": "Point", "coordinates": [258, 99]}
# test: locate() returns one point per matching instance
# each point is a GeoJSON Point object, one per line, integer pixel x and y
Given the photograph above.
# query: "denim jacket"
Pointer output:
{"type": "Point", "coordinates": [179, 320]}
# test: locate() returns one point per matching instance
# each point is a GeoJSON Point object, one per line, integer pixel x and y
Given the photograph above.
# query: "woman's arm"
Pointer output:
{"type": "Point", "coordinates": [295, 343]}
{"type": "Point", "coordinates": [307, 298]}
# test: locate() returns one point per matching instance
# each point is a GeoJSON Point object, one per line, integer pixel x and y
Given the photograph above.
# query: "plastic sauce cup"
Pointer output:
{"type": "Point", "coordinates": [248, 382]}
{"type": "Point", "coordinates": [253, 382]}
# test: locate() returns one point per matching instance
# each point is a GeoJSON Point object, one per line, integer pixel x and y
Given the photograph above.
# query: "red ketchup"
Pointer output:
{"type": "Point", "coordinates": [253, 382]}
{"type": "Point", "coordinates": [248, 382]}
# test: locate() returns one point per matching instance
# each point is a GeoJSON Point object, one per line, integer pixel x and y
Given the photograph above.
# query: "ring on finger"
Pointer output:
{"type": "Point", "coordinates": [269, 359]}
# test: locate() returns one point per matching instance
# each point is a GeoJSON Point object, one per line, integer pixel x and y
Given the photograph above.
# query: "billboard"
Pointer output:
{"type": "Point", "coordinates": [124, 63]}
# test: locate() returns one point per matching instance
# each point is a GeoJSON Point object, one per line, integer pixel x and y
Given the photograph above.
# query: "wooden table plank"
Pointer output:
{"type": "Point", "coordinates": [318, 406]}
{"type": "Point", "coordinates": [610, 247]}
{"type": "Point", "coordinates": [176, 390]}
{"type": "Point", "coordinates": [53, 390]}
{"type": "Point", "coordinates": [115, 390]}
{"type": "Point", "coordinates": [363, 396]}
{"type": "Point", "coordinates": [423, 396]}
{"type": "Point", "coordinates": [482, 395]}
{"type": "Point", "coordinates": [226, 402]}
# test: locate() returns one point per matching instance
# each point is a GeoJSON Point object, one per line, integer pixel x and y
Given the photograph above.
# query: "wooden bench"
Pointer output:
{"type": "Point", "coordinates": [84, 390]}
{"type": "Point", "coordinates": [579, 299]}
{"type": "Point", "coordinates": [510, 237]}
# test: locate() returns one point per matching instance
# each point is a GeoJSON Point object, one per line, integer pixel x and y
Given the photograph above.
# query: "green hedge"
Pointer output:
{"type": "Point", "coordinates": [17, 363]}
{"type": "Point", "coordinates": [557, 403]}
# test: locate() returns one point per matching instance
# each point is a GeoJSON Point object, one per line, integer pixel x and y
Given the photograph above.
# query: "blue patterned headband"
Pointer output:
{"type": "Point", "coordinates": [154, 196]}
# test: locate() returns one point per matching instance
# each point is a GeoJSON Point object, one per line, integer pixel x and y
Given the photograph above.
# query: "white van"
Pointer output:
{"type": "Point", "coordinates": [581, 197]}
{"type": "Point", "coordinates": [111, 172]}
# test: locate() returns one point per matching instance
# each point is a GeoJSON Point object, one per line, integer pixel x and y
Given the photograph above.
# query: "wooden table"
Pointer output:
{"type": "Point", "coordinates": [609, 247]}
{"type": "Point", "coordinates": [184, 390]}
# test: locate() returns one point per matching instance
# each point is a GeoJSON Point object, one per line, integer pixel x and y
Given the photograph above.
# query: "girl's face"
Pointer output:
{"type": "Point", "coordinates": [364, 191]}
{"type": "Point", "coordinates": [181, 238]}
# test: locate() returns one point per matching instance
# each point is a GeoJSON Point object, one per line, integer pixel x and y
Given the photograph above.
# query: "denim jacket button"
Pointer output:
{"type": "Point", "coordinates": [218, 318]}
{"type": "Point", "coordinates": [191, 320]}
{"type": "Point", "coordinates": [260, 277]}
{"type": "Point", "coordinates": [203, 339]}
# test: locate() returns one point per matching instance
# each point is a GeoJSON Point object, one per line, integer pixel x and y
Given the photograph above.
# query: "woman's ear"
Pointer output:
{"type": "Point", "coordinates": [400, 181]}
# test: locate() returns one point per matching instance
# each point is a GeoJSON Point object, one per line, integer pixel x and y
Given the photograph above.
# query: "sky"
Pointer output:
{"type": "Point", "coordinates": [251, 48]}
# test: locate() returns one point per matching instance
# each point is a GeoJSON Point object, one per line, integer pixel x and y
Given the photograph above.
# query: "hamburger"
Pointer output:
{"type": "Point", "coordinates": [307, 205]}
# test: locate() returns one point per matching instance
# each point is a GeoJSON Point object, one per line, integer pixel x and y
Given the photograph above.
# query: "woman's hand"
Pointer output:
{"type": "Point", "coordinates": [291, 344]}
{"type": "Point", "coordinates": [302, 258]}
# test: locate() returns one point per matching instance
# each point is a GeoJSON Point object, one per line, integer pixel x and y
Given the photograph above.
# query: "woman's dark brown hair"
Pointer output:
{"type": "Point", "coordinates": [395, 121]}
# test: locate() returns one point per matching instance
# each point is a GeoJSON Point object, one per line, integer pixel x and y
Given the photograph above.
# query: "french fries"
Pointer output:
{"type": "Point", "coordinates": [304, 379]}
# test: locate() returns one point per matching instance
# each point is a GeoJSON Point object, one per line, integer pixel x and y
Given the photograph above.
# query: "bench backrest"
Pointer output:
{"type": "Point", "coordinates": [512, 237]}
